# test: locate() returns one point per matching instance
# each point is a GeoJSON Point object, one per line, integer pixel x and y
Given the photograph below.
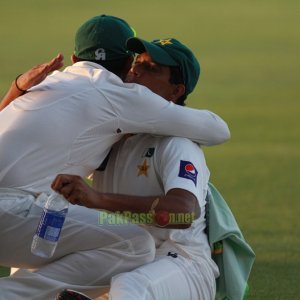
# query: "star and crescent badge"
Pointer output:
{"type": "Point", "coordinates": [165, 42]}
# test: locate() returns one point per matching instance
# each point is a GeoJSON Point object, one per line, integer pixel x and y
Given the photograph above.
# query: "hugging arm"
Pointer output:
{"type": "Point", "coordinates": [201, 126]}
{"type": "Point", "coordinates": [155, 115]}
{"type": "Point", "coordinates": [31, 78]}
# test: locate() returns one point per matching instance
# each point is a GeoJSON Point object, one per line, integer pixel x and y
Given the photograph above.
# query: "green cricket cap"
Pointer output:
{"type": "Point", "coordinates": [170, 52]}
{"type": "Point", "coordinates": [103, 38]}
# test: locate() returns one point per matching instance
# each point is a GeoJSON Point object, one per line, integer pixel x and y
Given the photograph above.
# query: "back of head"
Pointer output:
{"type": "Point", "coordinates": [102, 39]}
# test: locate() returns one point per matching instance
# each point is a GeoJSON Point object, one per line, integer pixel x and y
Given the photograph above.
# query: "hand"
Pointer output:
{"type": "Point", "coordinates": [38, 73]}
{"type": "Point", "coordinates": [31, 78]}
{"type": "Point", "coordinates": [75, 190]}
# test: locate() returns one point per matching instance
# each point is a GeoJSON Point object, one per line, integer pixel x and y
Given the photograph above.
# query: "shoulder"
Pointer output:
{"type": "Point", "coordinates": [166, 149]}
{"type": "Point", "coordinates": [178, 144]}
{"type": "Point", "coordinates": [162, 142]}
{"type": "Point", "coordinates": [177, 152]}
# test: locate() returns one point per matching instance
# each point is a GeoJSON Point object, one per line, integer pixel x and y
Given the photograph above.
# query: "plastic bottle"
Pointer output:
{"type": "Point", "coordinates": [48, 231]}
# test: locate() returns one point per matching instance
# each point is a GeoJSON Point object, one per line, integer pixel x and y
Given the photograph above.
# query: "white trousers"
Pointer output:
{"type": "Point", "coordinates": [88, 255]}
{"type": "Point", "coordinates": [167, 278]}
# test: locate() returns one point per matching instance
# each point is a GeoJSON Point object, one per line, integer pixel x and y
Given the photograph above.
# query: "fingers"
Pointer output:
{"type": "Point", "coordinates": [72, 187]}
{"type": "Point", "coordinates": [38, 73]}
{"type": "Point", "coordinates": [55, 64]}
{"type": "Point", "coordinates": [61, 180]}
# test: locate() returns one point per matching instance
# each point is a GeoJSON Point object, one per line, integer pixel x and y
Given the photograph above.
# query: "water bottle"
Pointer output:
{"type": "Point", "coordinates": [48, 231]}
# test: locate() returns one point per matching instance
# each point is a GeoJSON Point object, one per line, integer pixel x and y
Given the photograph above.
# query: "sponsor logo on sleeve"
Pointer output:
{"type": "Point", "coordinates": [187, 170]}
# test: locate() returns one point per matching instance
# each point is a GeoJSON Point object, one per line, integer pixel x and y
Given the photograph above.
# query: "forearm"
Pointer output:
{"type": "Point", "coordinates": [178, 202]}
{"type": "Point", "coordinates": [168, 211]}
{"type": "Point", "coordinates": [11, 94]}
{"type": "Point", "coordinates": [201, 126]}
{"type": "Point", "coordinates": [216, 130]}
{"type": "Point", "coordinates": [31, 78]}
{"type": "Point", "coordinates": [166, 118]}
{"type": "Point", "coordinates": [210, 128]}
{"type": "Point", "coordinates": [139, 204]}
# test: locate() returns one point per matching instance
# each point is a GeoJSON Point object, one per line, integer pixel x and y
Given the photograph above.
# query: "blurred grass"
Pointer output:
{"type": "Point", "coordinates": [249, 54]}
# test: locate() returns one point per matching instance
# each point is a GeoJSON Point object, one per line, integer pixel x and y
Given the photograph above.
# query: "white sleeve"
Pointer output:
{"type": "Point", "coordinates": [180, 163]}
{"type": "Point", "coordinates": [145, 112]}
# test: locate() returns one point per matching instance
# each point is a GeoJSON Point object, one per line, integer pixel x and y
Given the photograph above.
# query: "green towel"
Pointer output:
{"type": "Point", "coordinates": [230, 251]}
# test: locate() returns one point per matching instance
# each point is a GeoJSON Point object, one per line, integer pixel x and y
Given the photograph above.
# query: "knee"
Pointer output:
{"type": "Point", "coordinates": [144, 247]}
{"type": "Point", "coordinates": [129, 286]}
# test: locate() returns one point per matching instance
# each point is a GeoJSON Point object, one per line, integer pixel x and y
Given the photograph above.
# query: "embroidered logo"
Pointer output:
{"type": "Point", "coordinates": [172, 254]}
{"type": "Point", "coordinates": [187, 170]}
{"type": "Point", "coordinates": [143, 169]}
{"type": "Point", "coordinates": [164, 42]}
{"type": "Point", "coordinates": [148, 152]}
{"type": "Point", "coordinates": [100, 54]}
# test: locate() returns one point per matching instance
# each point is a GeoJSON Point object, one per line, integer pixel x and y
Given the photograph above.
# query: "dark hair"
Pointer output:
{"type": "Point", "coordinates": [177, 78]}
{"type": "Point", "coordinates": [115, 66]}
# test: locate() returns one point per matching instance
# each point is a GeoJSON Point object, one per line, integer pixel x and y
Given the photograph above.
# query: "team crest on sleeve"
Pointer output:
{"type": "Point", "coordinates": [187, 170]}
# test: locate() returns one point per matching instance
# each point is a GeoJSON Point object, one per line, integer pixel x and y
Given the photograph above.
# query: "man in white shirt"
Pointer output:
{"type": "Point", "coordinates": [68, 124]}
{"type": "Point", "coordinates": [160, 184]}
{"type": "Point", "coordinates": [73, 117]}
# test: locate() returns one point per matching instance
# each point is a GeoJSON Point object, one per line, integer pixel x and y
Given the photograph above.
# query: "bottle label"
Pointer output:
{"type": "Point", "coordinates": [50, 224]}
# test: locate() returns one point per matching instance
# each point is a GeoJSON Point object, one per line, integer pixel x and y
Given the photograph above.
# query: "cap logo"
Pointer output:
{"type": "Point", "coordinates": [165, 42]}
{"type": "Point", "coordinates": [100, 54]}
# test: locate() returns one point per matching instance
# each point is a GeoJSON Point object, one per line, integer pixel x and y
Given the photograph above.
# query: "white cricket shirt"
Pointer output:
{"type": "Point", "coordinates": [68, 123]}
{"type": "Point", "coordinates": [146, 165]}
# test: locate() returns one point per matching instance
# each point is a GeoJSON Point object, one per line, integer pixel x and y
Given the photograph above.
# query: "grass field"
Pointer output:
{"type": "Point", "coordinates": [249, 53]}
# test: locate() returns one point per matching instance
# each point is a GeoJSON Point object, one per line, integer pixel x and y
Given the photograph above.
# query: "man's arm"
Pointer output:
{"type": "Point", "coordinates": [201, 126]}
{"type": "Point", "coordinates": [141, 111]}
{"type": "Point", "coordinates": [31, 78]}
{"type": "Point", "coordinates": [144, 112]}
{"type": "Point", "coordinates": [176, 201]}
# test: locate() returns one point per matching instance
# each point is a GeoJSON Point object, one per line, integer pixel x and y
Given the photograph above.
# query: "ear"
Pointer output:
{"type": "Point", "coordinates": [127, 67]}
{"type": "Point", "coordinates": [74, 59]}
{"type": "Point", "coordinates": [178, 91]}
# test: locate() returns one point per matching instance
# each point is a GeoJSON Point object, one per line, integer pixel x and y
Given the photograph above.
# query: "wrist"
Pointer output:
{"type": "Point", "coordinates": [161, 218]}
{"type": "Point", "coordinates": [18, 86]}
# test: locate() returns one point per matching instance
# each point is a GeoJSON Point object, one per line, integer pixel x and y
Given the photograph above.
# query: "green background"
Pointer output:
{"type": "Point", "coordinates": [249, 54]}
